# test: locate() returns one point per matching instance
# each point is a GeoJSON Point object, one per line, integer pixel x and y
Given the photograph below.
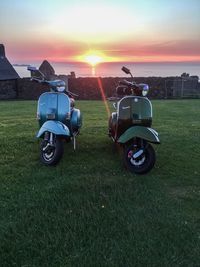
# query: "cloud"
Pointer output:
{"type": "Point", "coordinates": [170, 48]}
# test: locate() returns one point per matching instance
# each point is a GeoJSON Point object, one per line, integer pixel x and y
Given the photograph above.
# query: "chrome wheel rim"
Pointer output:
{"type": "Point", "coordinates": [136, 162]}
{"type": "Point", "coordinates": [49, 153]}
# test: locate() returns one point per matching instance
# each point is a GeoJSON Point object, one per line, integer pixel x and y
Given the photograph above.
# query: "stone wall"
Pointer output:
{"type": "Point", "coordinates": [88, 88]}
{"type": "Point", "coordinates": [8, 89]}
{"type": "Point", "coordinates": [85, 88]}
{"type": "Point", "coordinates": [29, 90]}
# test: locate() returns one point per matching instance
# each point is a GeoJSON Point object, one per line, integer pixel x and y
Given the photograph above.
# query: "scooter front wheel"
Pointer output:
{"type": "Point", "coordinates": [138, 160]}
{"type": "Point", "coordinates": [51, 154]}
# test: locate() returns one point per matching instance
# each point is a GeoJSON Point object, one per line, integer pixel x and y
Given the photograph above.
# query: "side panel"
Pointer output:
{"type": "Point", "coordinates": [145, 133]}
{"type": "Point", "coordinates": [76, 119]}
{"type": "Point", "coordinates": [112, 124]}
{"type": "Point", "coordinates": [55, 127]}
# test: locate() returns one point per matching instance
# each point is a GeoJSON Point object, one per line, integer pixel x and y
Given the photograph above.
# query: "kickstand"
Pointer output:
{"type": "Point", "coordinates": [74, 142]}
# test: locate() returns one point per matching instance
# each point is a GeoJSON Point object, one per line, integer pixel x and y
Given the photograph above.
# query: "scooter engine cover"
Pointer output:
{"type": "Point", "coordinates": [76, 119]}
{"type": "Point", "coordinates": [112, 124]}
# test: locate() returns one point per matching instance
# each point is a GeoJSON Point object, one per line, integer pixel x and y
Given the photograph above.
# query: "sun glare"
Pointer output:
{"type": "Point", "coordinates": [94, 57]}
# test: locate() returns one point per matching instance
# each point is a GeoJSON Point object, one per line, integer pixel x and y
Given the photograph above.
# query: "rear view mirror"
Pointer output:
{"type": "Point", "coordinates": [32, 68]}
{"type": "Point", "coordinates": [126, 70]}
{"type": "Point", "coordinates": [36, 73]}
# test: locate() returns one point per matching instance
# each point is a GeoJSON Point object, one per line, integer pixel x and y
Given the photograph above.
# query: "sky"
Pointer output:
{"type": "Point", "coordinates": [131, 31]}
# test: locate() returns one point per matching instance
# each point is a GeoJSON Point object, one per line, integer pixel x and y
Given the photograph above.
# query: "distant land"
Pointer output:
{"type": "Point", "coordinates": [21, 65]}
{"type": "Point", "coordinates": [113, 69]}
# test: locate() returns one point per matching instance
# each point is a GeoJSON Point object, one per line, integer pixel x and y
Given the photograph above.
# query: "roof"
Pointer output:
{"type": "Point", "coordinates": [7, 72]}
{"type": "Point", "coordinates": [47, 70]}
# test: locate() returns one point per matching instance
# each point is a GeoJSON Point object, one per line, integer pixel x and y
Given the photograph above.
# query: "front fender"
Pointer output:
{"type": "Point", "coordinates": [56, 127]}
{"type": "Point", "coordinates": [142, 132]}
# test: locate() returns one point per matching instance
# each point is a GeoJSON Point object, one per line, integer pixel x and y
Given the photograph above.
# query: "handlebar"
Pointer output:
{"type": "Point", "coordinates": [124, 82]}
{"type": "Point", "coordinates": [134, 85]}
{"type": "Point", "coordinates": [49, 83]}
{"type": "Point", "coordinates": [71, 93]}
{"type": "Point", "coordinates": [131, 88]}
{"type": "Point", "coordinates": [38, 80]}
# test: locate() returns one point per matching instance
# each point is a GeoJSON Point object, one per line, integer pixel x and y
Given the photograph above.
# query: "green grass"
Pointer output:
{"type": "Point", "coordinates": [90, 211]}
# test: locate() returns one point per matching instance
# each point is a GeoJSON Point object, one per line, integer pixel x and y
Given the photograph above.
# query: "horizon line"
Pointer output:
{"type": "Point", "coordinates": [113, 62]}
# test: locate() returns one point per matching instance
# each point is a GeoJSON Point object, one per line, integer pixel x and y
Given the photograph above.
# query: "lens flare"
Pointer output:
{"type": "Point", "coordinates": [103, 96]}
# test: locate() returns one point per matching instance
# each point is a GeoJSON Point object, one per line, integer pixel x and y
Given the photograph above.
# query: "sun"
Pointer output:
{"type": "Point", "coordinates": [93, 59]}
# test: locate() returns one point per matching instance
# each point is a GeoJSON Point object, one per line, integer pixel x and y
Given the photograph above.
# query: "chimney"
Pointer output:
{"type": "Point", "coordinates": [2, 50]}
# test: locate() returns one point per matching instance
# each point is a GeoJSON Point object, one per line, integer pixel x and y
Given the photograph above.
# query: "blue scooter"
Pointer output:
{"type": "Point", "coordinates": [58, 119]}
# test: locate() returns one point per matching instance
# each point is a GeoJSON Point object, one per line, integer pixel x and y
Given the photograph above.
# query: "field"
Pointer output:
{"type": "Point", "coordinates": [89, 210]}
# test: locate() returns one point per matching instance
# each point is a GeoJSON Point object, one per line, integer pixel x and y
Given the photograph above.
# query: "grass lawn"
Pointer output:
{"type": "Point", "coordinates": [89, 210]}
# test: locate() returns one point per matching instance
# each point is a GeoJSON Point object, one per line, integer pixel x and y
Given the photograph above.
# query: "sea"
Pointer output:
{"type": "Point", "coordinates": [165, 69]}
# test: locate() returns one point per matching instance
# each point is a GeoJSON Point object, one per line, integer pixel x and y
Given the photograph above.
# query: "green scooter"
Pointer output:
{"type": "Point", "coordinates": [130, 125]}
{"type": "Point", "coordinates": [58, 119]}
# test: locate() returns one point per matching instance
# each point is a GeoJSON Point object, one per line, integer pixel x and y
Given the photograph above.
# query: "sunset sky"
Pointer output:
{"type": "Point", "coordinates": [135, 30]}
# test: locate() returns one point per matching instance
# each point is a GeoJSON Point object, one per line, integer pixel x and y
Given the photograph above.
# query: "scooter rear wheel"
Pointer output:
{"type": "Point", "coordinates": [144, 163]}
{"type": "Point", "coordinates": [51, 155]}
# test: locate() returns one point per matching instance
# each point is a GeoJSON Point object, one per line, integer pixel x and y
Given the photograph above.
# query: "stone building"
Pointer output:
{"type": "Point", "coordinates": [8, 77]}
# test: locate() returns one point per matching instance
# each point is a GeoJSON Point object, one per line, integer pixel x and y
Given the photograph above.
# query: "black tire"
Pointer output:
{"type": "Point", "coordinates": [144, 163]}
{"type": "Point", "coordinates": [53, 155]}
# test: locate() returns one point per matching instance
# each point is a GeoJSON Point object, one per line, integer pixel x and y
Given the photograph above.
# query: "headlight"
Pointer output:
{"type": "Point", "coordinates": [145, 89]}
{"type": "Point", "coordinates": [60, 85]}
{"type": "Point", "coordinates": [60, 88]}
